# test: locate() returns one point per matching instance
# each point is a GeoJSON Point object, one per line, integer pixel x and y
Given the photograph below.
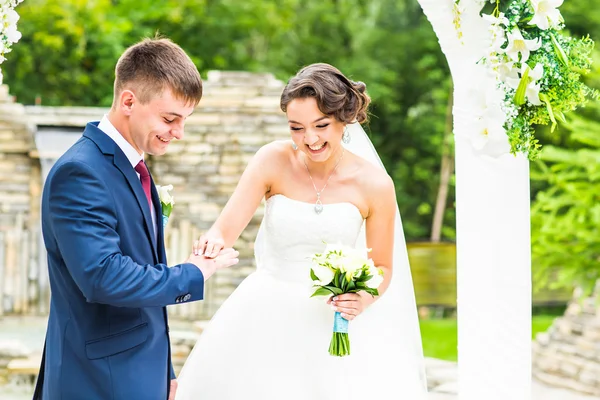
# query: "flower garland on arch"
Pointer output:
{"type": "Point", "coordinates": [8, 28]}
{"type": "Point", "coordinates": [536, 67]}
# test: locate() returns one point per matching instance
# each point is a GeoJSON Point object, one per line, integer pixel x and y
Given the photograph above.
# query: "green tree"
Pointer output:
{"type": "Point", "coordinates": [69, 48]}
{"type": "Point", "coordinates": [566, 214]}
{"type": "Point", "coordinates": [67, 52]}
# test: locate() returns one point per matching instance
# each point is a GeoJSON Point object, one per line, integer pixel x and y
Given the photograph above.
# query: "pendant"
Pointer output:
{"type": "Point", "coordinates": [318, 207]}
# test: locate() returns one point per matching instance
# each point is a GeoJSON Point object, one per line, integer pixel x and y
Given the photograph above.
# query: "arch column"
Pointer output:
{"type": "Point", "coordinates": [492, 224]}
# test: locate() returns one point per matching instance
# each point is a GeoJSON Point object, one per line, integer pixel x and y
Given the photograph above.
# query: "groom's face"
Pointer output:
{"type": "Point", "coordinates": [155, 124]}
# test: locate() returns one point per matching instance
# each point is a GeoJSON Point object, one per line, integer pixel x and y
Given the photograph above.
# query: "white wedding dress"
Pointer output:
{"type": "Point", "coordinates": [270, 340]}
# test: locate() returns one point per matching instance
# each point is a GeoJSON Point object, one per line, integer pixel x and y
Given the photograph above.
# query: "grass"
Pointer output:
{"type": "Point", "coordinates": [440, 335]}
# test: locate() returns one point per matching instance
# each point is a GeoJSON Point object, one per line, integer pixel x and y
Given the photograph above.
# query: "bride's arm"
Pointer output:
{"type": "Point", "coordinates": [380, 222]}
{"type": "Point", "coordinates": [241, 206]}
{"type": "Point", "coordinates": [380, 226]}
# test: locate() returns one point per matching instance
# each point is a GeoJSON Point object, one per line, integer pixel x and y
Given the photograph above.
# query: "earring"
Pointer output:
{"type": "Point", "coordinates": [346, 136]}
{"type": "Point", "coordinates": [294, 146]}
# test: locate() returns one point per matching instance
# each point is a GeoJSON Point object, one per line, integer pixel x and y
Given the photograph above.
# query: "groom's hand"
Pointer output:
{"type": "Point", "coordinates": [173, 389]}
{"type": "Point", "coordinates": [226, 258]}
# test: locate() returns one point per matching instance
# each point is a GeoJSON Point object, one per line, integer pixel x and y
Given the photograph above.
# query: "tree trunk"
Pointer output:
{"type": "Point", "coordinates": [446, 170]}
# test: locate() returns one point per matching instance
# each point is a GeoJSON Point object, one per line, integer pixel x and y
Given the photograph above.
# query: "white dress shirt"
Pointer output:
{"type": "Point", "coordinates": [132, 155]}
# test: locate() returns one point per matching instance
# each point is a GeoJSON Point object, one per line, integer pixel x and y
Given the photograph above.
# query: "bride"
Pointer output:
{"type": "Point", "coordinates": [270, 340]}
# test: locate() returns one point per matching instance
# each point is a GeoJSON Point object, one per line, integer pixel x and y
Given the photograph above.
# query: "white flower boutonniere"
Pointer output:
{"type": "Point", "coordinates": [166, 202]}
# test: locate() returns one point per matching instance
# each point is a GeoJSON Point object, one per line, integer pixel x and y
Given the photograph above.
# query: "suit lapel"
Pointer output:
{"type": "Point", "coordinates": [162, 257]}
{"type": "Point", "coordinates": [108, 147]}
{"type": "Point", "coordinates": [123, 164]}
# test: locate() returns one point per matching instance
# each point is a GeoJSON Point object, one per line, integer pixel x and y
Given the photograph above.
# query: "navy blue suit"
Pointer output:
{"type": "Point", "coordinates": [108, 335]}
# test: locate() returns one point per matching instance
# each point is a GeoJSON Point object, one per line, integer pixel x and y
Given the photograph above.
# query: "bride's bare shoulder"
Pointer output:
{"type": "Point", "coordinates": [375, 181]}
{"type": "Point", "coordinates": [275, 152]}
{"type": "Point", "coordinates": [272, 158]}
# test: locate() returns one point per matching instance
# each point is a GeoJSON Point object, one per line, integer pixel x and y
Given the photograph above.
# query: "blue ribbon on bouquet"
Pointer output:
{"type": "Point", "coordinates": [165, 219]}
{"type": "Point", "coordinates": [340, 324]}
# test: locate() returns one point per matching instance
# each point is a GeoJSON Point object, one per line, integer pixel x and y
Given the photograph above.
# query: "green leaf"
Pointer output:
{"type": "Point", "coordinates": [545, 99]}
{"type": "Point", "coordinates": [560, 53]}
{"type": "Point", "coordinates": [313, 276]}
{"type": "Point", "coordinates": [521, 90]}
{"type": "Point", "coordinates": [341, 280]}
{"type": "Point", "coordinates": [322, 291]}
{"type": "Point", "coordinates": [351, 286]}
{"type": "Point", "coordinates": [166, 209]}
{"type": "Point", "coordinates": [560, 116]}
{"type": "Point", "coordinates": [335, 290]}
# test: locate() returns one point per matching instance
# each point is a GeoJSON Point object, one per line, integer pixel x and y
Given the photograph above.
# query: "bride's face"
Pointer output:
{"type": "Point", "coordinates": [317, 135]}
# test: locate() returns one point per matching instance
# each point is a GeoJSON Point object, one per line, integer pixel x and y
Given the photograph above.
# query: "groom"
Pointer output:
{"type": "Point", "coordinates": [108, 336]}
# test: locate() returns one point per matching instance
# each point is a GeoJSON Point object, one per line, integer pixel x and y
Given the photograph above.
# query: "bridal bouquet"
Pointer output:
{"type": "Point", "coordinates": [338, 270]}
{"type": "Point", "coordinates": [166, 201]}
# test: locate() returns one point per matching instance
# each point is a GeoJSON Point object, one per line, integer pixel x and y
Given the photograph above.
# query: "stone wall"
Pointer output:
{"type": "Point", "coordinates": [568, 354]}
{"type": "Point", "coordinates": [19, 210]}
{"type": "Point", "coordinates": [238, 114]}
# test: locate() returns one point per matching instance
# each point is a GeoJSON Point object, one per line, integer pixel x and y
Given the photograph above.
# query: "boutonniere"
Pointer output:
{"type": "Point", "coordinates": [166, 201]}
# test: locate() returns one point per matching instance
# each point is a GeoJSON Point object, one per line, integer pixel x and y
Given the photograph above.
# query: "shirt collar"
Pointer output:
{"type": "Point", "coordinates": [132, 155]}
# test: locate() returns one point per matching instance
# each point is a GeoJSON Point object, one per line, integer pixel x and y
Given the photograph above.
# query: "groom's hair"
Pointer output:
{"type": "Point", "coordinates": [149, 67]}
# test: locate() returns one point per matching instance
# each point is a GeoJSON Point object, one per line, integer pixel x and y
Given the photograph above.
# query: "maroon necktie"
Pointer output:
{"type": "Point", "coordinates": [145, 179]}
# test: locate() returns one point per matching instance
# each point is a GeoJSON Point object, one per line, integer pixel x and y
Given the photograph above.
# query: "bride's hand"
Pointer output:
{"type": "Point", "coordinates": [209, 244]}
{"type": "Point", "coordinates": [350, 305]}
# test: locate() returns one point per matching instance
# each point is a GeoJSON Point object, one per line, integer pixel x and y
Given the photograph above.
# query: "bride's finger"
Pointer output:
{"type": "Point", "coordinates": [346, 310]}
{"type": "Point", "coordinates": [217, 247]}
{"type": "Point", "coordinates": [196, 248]}
{"type": "Point", "coordinates": [208, 249]}
{"type": "Point", "coordinates": [349, 317]}
{"type": "Point", "coordinates": [201, 244]}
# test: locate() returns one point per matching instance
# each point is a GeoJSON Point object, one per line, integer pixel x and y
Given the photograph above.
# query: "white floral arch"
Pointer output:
{"type": "Point", "coordinates": [508, 68]}
{"type": "Point", "coordinates": [8, 28]}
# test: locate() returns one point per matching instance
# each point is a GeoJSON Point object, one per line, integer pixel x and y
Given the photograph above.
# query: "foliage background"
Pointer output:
{"type": "Point", "coordinates": [69, 47]}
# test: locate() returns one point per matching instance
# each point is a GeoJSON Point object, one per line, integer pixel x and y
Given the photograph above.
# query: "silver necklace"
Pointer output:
{"type": "Point", "coordinates": [318, 203]}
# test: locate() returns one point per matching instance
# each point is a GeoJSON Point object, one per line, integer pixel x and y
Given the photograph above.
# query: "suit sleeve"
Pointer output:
{"type": "Point", "coordinates": [172, 371]}
{"type": "Point", "coordinates": [84, 220]}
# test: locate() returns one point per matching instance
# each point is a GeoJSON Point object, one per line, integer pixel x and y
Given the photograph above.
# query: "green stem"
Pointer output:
{"type": "Point", "coordinates": [496, 12]}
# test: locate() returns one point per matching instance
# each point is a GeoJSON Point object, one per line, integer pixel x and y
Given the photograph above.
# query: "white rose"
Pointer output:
{"type": "Point", "coordinates": [164, 195]}
{"type": "Point", "coordinates": [352, 265]}
{"type": "Point", "coordinates": [324, 275]}
{"type": "Point", "coordinates": [377, 277]}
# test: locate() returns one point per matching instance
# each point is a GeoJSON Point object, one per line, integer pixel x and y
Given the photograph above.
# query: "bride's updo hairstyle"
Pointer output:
{"type": "Point", "coordinates": [337, 96]}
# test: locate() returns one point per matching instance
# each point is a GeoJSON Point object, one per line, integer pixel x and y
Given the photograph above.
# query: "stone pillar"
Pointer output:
{"type": "Point", "coordinates": [20, 188]}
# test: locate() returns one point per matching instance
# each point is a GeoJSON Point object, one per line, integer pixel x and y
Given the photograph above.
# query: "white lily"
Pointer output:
{"type": "Point", "coordinates": [508, 73]}
{"type": "Point", "coordinates": [546, 14]}
{"type": "Point", "coordinates": [165, 195]}
{"type": "Point", "coordinates": [497, 32]}
{"type": "Point", "coordinates": [10, 26]}
{"type": "Point", "coordinates": [519, 45]}
{"type": "Point", "coordinates": [488, 134]}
